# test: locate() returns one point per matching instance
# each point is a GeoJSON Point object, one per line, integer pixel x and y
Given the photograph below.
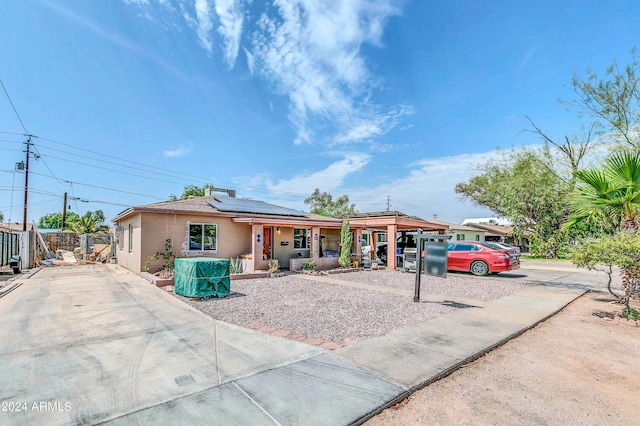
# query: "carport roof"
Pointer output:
{"type": "Point", "coordinates": [402, 221]}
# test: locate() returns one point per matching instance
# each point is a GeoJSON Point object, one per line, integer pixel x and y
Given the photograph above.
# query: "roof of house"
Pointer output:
{"type": "Point", "coordinates": [380, 220]}
{"type": "Point", "coordinates": [213, 205]}
{"type": "Point", "coordinates": [456, 227]}
{"type": "Point", "coordinates": [14, 226]}
{"type": "Point", "coordinates": [499, 230]}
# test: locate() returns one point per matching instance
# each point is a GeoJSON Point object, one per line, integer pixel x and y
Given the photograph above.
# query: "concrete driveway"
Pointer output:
{"type": "Point", "coordinates": [89, 344]}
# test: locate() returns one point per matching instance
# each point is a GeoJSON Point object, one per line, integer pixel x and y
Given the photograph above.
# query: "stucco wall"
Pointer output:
{"type": "Point", "coordinates": [283, 247]}
{"type": "Point", "coordinates": [152, 230]}
{"type": "Point", "coordinates": [129, 259]}
{"type": "Point", "coordinates": [468, 235]}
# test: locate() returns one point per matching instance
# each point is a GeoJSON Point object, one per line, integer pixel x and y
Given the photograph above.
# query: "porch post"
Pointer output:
{"type": "Point", "coordinates": [315, 242]}
{"type": "Point", "coordinates": [257, 245]}
{"type": "Point", "coordinates": [373, 239]}
{"type": "Point", "coordinates": [391, 246]}
{"type": "Point", "coordinates": [358, 241]}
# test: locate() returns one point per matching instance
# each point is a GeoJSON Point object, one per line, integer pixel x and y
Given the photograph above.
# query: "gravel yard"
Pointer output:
{"type": "Point", "coordinates": [334, 310]}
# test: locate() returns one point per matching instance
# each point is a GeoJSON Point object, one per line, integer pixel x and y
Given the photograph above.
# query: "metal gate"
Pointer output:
{"type": "Point", "coordinates": [9, 246]}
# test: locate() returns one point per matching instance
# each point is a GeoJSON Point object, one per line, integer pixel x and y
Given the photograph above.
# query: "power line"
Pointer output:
{"type": "Point", "coordinates": [101, 187]}
{"type": "Point", "coordinates": [13, 106]}
{"type": "Point", "coordinates": [293, 195]}
{"type": "Point", "coordinates": [112, 170]}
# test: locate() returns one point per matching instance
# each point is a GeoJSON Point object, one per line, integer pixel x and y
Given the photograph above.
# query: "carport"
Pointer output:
{"type": "Point", "coordinates": [392, 222]}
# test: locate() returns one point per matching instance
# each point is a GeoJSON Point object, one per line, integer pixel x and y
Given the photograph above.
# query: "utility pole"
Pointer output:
{"type": "Point", "coordinates": [26, 186]}
{"type": "Point", "coordinates": [388, 203]}
{"type": "Point", "coordinates": [64, 211]}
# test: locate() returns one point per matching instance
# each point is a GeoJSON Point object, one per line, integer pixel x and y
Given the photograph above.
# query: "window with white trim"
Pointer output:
{"type": "Point", "coordinates": [130, 238]}
{"type": "Point", "coordinates": [203, 237]}
{"type": "Point", "coordinates": [301, 238]}
{"type": "Point", "coordinates": [460, 237]}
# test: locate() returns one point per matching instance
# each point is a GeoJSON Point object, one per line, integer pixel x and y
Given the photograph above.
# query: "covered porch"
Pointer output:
{"type": "Point", "coordinates": [390, 223]}
{"type": "Point", "coordinates": [295, 241]}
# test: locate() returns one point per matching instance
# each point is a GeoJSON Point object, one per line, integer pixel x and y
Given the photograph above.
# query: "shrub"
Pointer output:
{"type": "Point", "coordinates": [621, 250]}
{"type": "Point", "coordinates": [309, 265]}
{"type": "Point", "coordinates": [345, 245]}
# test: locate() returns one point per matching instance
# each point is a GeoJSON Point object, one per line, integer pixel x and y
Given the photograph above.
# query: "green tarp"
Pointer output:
{"type": "Point", "coordinates": [201, 277]}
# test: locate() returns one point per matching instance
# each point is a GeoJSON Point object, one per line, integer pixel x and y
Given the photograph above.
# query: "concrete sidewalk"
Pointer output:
{"type": "Point", "coordinates": [93, 344]}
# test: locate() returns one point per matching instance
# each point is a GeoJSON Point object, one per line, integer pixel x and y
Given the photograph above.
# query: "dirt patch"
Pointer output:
{"type": "Point", "coordinates": [575, 368]}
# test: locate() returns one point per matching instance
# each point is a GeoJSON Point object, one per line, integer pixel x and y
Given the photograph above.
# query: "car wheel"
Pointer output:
{"type": "Point", "coordinates": [479, 268]}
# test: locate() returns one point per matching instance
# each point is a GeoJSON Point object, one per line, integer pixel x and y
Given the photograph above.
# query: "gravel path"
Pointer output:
{"type": "Point", "coordinates": [340, 313]}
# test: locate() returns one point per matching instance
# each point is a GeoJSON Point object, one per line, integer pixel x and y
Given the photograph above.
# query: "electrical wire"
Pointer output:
{"type": "Point", "coordinates": [13, 106]}
{"type": "Point", "coordinates": [112, 170]}
{"type": "Point", "coordinates": [101, 187]}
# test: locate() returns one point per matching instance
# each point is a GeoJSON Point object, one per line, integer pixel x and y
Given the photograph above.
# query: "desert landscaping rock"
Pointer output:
{"type": "Point", "coordinates": [328, 312]}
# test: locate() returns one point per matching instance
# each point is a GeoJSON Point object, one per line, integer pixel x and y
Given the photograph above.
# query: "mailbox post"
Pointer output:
{"type": "Point", "coordinates": [435, 249]}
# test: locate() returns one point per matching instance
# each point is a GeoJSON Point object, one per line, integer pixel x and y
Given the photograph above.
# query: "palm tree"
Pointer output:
{"type": "Point", "coordinates": [609, 193]}
{"type": "Point", "coordinates": [89, 223]}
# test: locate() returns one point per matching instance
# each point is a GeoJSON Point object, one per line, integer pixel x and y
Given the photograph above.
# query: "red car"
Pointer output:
{"type": "Point", "coordinates": [481, 258]}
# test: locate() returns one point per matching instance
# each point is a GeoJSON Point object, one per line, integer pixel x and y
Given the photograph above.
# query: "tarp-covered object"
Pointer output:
{"type": "Point", "coordinates": [202, 277]}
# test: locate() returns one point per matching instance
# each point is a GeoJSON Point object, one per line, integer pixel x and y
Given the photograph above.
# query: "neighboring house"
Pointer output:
{"type": "Point", "coordinates": [487, 221]}
{"type": "Point", "coordinates": [462, 232]}
{"type": "Point", "coordinates": [14, 227]}
{"type": "Point", "coordinates": [499, 233]}
{"type": "Point", "coordinates": [228, 227]}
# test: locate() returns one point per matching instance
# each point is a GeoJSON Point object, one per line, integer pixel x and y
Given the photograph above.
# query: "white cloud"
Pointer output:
{"type": "Point", "coordinates": [204, 24]}
{"type": "Point", "coordinates": [306, 50]}
{"type": "Point", "coordinates": [251, 61]}
{"type": "Point", "coordinates": [327, 179]}
{"type": "Point", "coordinates": [311, 53]}
{"type": "Point", "coordinates": [525, 60]}
{"type": "Point", "coordinates": [178, 151]}
{"type": "Point", "coordinates": [231, 18]}
{"type": "Point", "coordinates": [426, 189]}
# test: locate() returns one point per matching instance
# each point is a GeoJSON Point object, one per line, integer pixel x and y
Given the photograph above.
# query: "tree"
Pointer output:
{"type": "Point", "coordinates": [612, 100]}
{"type": "Point", "coordinates": [89, 223]}
{"type": "Point", "coordinates": [521, 185]}
{"type": "Point", "coordinates": [1, 217]}
{"type": "Point", "coordinates": [192, 190]}
{"type": "Point", "coordinates": [322, 203]}
{"type": "Point", "coordinates": [345, 245]}
{"type": "Point", "coordinates": [573, 150]}
{"type": "Point", "coordinates": [608, 194]}
{"type": "Point", "coordinates": [54, 220]}
{"type": "Point", "coordinates": [621, 250]}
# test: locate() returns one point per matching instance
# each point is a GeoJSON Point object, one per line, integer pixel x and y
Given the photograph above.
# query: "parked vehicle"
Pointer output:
{"type": "Point", "coordinates": [504, 245]}
{"type": "Point", "coordinates": [402, 242]}
{"type": "Point", "coordinates": [481, 258]}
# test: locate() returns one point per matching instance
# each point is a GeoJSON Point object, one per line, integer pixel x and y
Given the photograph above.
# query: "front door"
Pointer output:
{"type": "Point", "coordinates": [267, 247]}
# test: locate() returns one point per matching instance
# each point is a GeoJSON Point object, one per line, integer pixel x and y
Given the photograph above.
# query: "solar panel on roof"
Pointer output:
{"type": "Point", "coordinates": [240, 205]}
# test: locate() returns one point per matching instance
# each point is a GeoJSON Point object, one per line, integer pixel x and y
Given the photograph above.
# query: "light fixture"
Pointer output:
{"type": "Point", "coordinates": [278, 230]}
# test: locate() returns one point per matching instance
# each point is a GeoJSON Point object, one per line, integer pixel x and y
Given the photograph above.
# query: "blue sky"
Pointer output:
{"type": "Point", "coordinates": [132, 100]}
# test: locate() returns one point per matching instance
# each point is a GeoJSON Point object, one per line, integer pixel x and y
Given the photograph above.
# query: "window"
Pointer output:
{"type": "Point", "coordinates": [477, 237]}
{"type": "Point", "coordinates": [203, 237]}
{"type": "Point", "coordinates": [301, 238]}
{"type": "Point", "coordinates": [130, 238]}
{"type": "Point", "coordinates": [460, 237]}
{"type": "Point", "coordinates": [466, 247]}
{"type": "Point", "coordinates": [120, 237]}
